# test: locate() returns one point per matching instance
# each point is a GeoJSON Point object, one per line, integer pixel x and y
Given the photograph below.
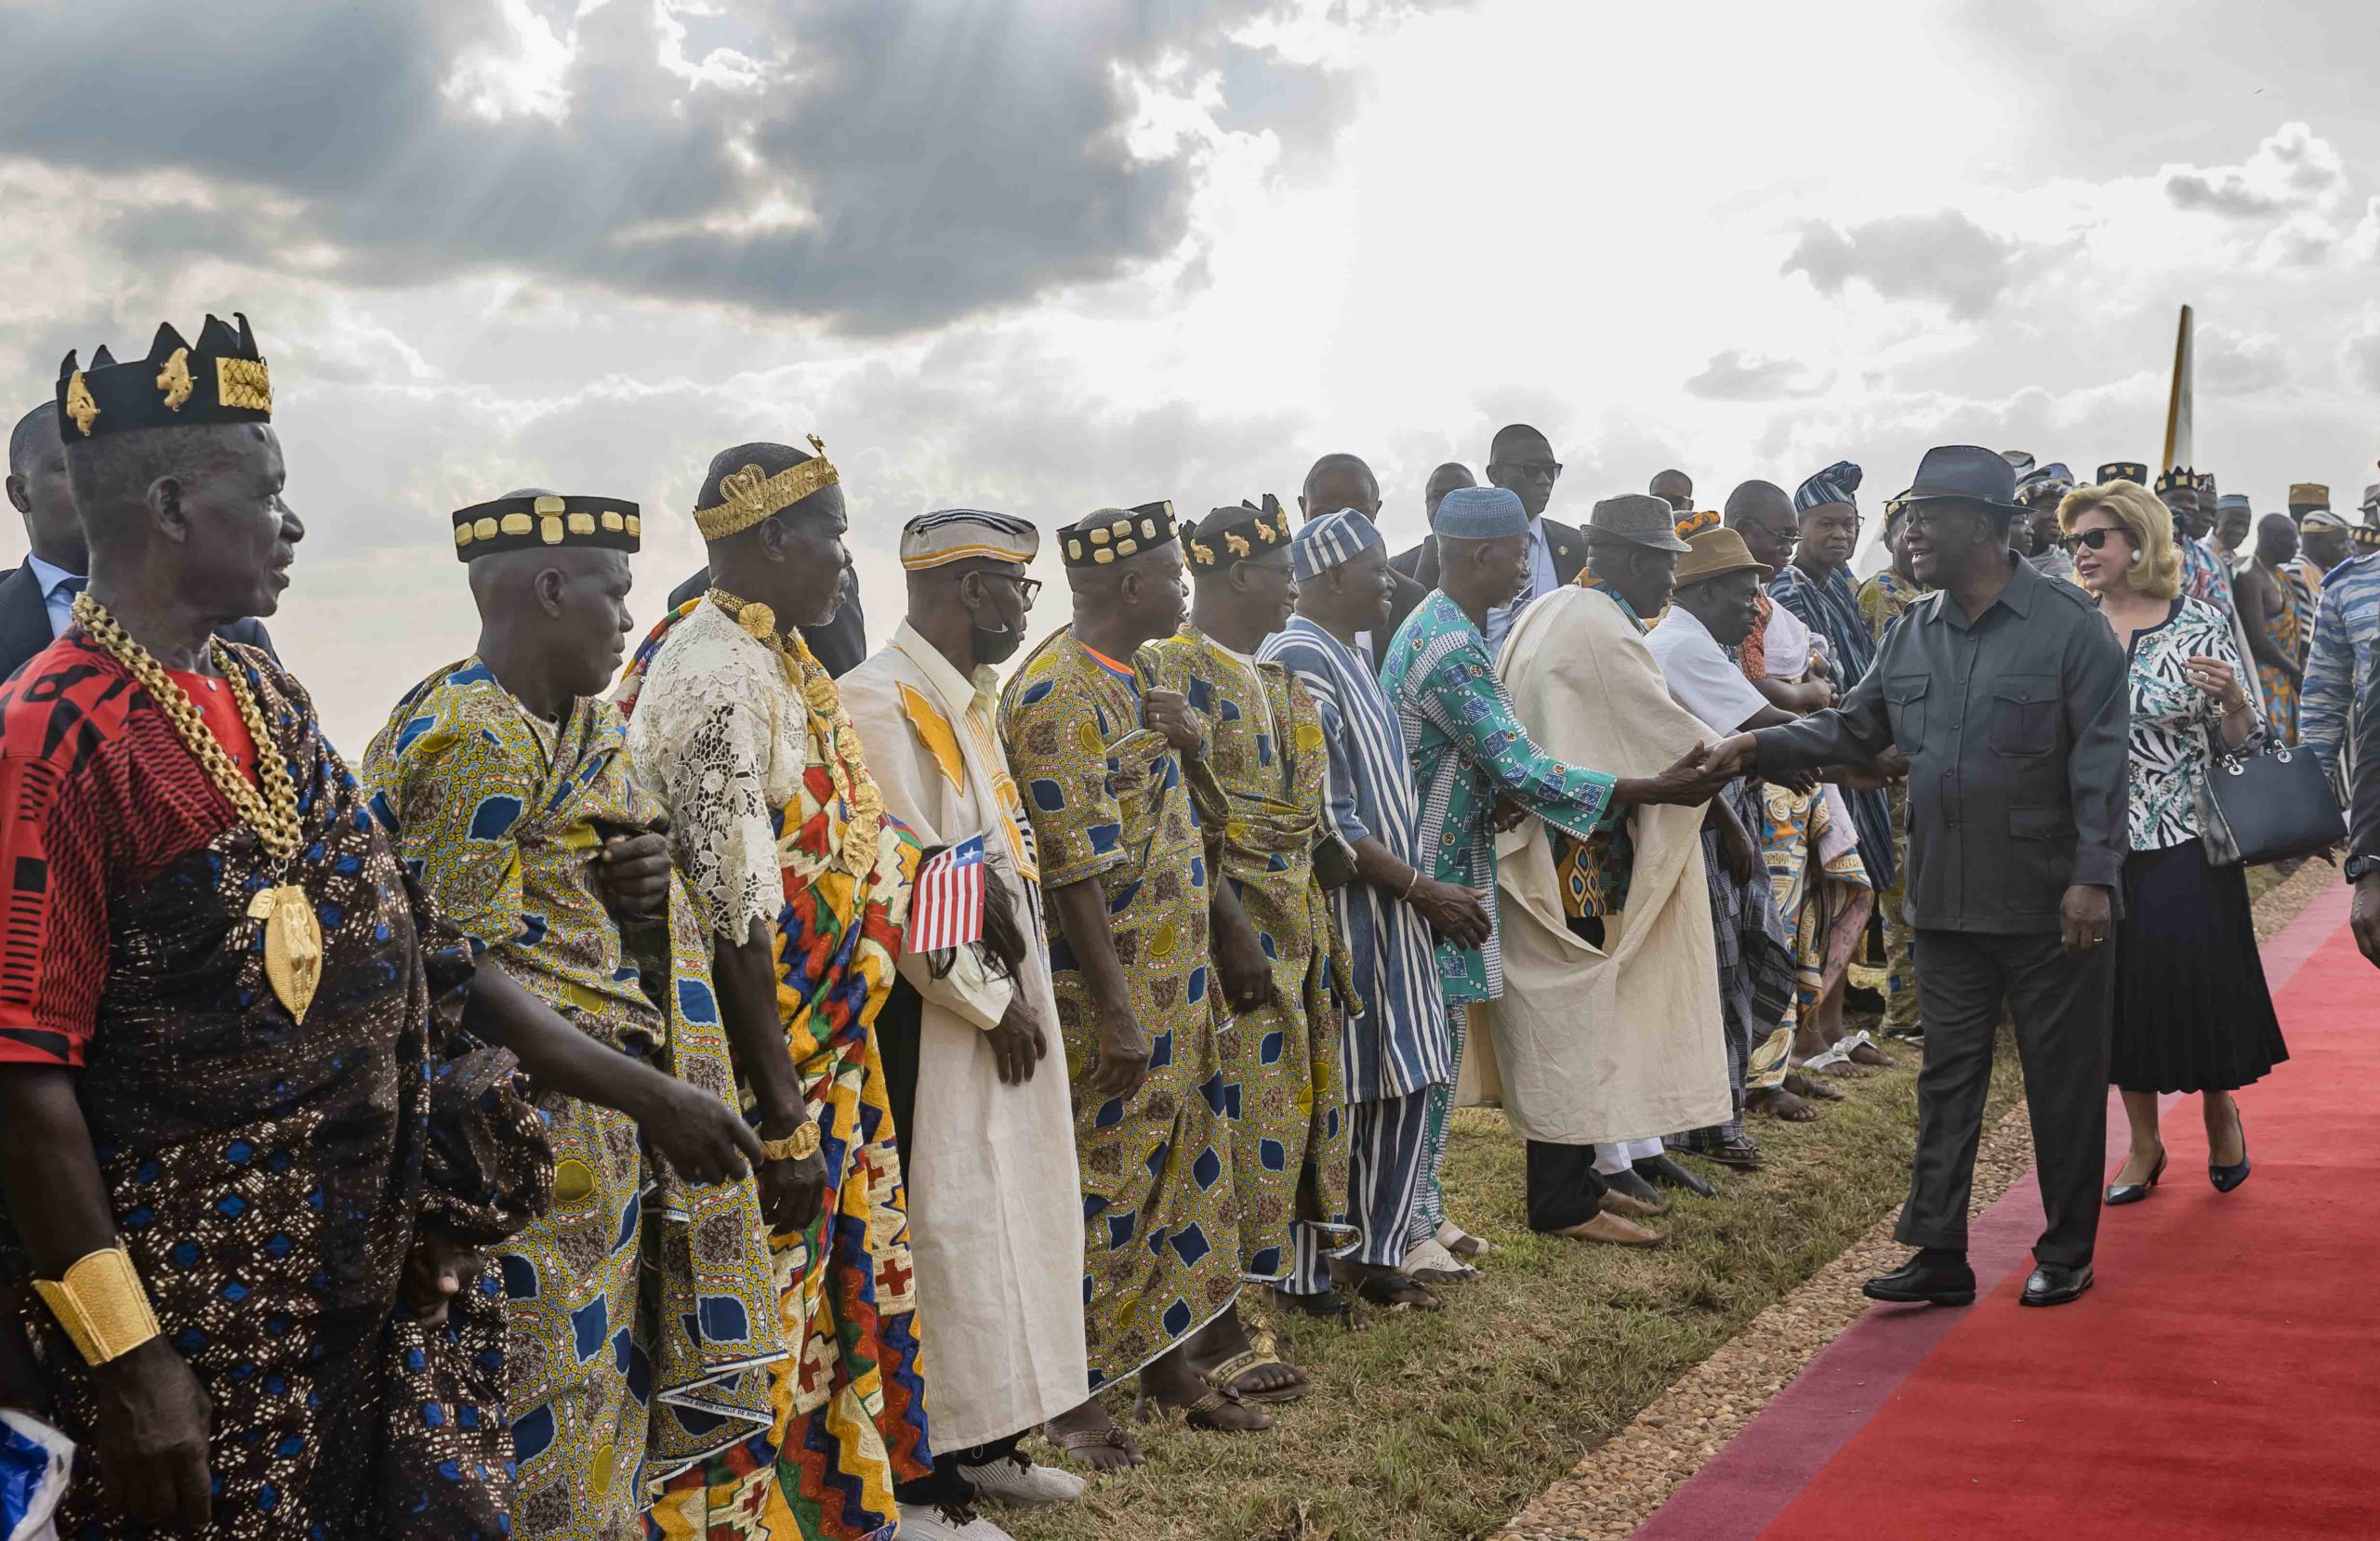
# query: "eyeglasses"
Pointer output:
{"type": "Point", "coordinates": [2093, 539]}
{"type": "Point", "coordinates": [1028, 589]}
{"type": "Point", "coordinates": [1546, 468]}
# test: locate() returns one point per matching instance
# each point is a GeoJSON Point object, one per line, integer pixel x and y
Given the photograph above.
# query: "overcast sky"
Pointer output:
{"type": "Point", "coordinates": [1042, 256]}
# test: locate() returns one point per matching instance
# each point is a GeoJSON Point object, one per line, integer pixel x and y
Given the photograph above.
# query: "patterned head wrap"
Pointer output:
{"type": "Point", "coordinates": [1834, 484]}
{"type": "Point", "coordinates": [1330, 541]}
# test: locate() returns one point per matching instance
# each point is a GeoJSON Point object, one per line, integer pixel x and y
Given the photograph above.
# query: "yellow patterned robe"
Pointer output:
{"type": "Point", "coordinates": [639, 1310]}
{"type": "Point", "coordinates": [1260, 798]}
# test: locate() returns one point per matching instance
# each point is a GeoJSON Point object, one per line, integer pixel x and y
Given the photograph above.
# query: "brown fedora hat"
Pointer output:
{"type": "Point", "coordinates": [1715, 554]}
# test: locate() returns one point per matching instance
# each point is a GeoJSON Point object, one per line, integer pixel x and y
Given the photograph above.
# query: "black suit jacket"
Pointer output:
{"type": "Point", "coordinates": [2364, 830]}
{"type": "Point", "coordinates": [25, 624]}
{"type": "Point", "coordinates": [840, 646]}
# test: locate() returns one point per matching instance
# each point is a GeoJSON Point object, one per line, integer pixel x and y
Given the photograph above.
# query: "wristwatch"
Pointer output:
{"type": "Point", "coordinates": [2357, 868]}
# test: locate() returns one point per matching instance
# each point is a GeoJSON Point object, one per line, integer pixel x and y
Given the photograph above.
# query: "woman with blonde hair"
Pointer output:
{"type": "Point", "coordinates": [2192, 1013]}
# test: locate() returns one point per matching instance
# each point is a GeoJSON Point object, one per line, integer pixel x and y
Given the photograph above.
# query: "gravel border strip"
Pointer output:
{"type": "Point", "coordinates": [1622, 1481]}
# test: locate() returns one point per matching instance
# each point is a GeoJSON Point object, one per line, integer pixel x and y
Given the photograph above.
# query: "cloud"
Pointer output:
{"type": "Point", "coordinates": [1943, 257]}
{"type": "Point", "coordinates": [2359, 355]}
{"type": "Point", "coordinates": [2292, 169]}
{"type": "Point", "coordinates": [2235, 363]}
{"type": "Point", "coordinates": [883, 167]}
{"type": "Point", "coordinates": [1736, 375]}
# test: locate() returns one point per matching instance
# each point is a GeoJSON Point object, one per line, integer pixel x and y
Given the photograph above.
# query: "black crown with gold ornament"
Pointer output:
{"type": "Point", "coordinates": [2133, 471]}
{"type": "Point", "coordinates": [221, 380]}
{"type": "Point", "coordinates": [1119, 534]}
{"type": "Point", "coordinates": [2180, 476]}
{"type": "Point", "coordinates": [1233, 533]}
{"type": "Point", "coordinates": [536, 523]}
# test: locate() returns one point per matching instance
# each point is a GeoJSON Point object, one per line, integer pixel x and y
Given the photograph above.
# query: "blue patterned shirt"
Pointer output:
{"type": "Point", "coordinates": [2345, 619]}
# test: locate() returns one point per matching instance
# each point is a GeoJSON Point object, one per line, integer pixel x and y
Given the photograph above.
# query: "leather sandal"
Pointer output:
{"type": "Point", "coordinates": [1260, 1355]}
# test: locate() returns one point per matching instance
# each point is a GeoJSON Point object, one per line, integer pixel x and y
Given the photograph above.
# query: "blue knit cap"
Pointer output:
{"type": "Point", "coordinates": [1323, 544]}
{"type": "Point", "coordinates": [1481, 513]}
{"type": "Point", "coordinates": [1834, 484]}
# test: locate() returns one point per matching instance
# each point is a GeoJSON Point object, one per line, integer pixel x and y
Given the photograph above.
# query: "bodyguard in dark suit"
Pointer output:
{"type": "Point", "coordinates": [1343, 481]}
{"type": "Point", "coordinates": [1421, 563]}
{"type": "Point", "coordinates": [1520, 458]}
{"type": "Point", "coordinates": [2005, 692]}
{"type": "Point", "coordinates": [840, 646]}
{"type": "Point", "coordinates": [36, 598]}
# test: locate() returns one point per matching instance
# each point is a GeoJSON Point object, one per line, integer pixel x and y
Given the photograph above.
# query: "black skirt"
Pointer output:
{"type": "Point", "coordinates": [2191, 1012]}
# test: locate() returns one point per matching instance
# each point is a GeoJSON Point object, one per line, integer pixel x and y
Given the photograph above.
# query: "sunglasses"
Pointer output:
{"type": "Point", "coordinates": [1549, 469]}
{"type": "Point", "coordinates": [2093, 539]}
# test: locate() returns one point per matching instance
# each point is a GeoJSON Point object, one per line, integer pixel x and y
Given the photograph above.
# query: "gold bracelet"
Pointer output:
{"type": "Point", "coordinates": [101, 1305]}
{"type": "Point", "coordinates": [800, 1145]}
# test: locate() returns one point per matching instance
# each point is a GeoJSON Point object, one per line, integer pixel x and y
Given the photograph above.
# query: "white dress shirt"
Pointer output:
{"type": "Point", "coordinates": [56, 597]}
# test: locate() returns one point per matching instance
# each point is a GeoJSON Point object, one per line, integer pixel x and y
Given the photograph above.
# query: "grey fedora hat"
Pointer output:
{"type": "Point", "coordinates": [1966, 473]}
{"type": "Point", "coordinates": [1638, 519]}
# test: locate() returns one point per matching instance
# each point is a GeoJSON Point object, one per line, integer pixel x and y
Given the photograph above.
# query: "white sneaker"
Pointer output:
{"type": "Point", "coordinates": [1023, 1484]}
{"type": "Point", "coordinates": [928, 1522]}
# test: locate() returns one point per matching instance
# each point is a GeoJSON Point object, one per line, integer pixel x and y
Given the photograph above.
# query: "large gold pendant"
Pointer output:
{"type": "Point", "coordinates": [293, 945]}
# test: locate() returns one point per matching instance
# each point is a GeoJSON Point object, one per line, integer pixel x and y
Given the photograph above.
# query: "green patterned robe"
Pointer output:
{"type": "Point", "coordinates": [1107, 801]}
{"type": "Point", "coordinates": [1259, 788]}
{"type": "Point", "coordinates": [639, 1310]}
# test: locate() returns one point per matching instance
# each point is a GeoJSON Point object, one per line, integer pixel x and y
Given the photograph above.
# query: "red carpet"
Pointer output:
{"type": "Point", "coordinates": [2223, 1379]}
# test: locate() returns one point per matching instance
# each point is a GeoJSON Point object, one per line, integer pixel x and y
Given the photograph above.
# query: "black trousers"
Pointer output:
{"type": "Point", "coordinates": [2062, 1007]}
{"type": "Point", "coordinates": [1564, 1186]}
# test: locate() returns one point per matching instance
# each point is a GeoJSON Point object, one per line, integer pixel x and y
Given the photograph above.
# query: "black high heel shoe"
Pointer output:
{"type": "Point", "coordinates": [2227, 1177]}
{"type": "Point", "coordinates": [2133, 1192]}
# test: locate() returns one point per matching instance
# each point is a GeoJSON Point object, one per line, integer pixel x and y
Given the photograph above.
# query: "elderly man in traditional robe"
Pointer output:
{"type": "Point", "coordinates": [986, 1137]}
{"type": "Point", "coordinates": [1608, 1035]}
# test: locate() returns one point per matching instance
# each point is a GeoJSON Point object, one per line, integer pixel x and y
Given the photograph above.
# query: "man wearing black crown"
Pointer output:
{"type": "Point", "coordinates": [247, 1159]}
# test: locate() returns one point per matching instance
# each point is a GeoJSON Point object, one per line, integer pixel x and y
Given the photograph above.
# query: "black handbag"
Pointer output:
{"type": "Point", "coordinates": [2268, 807]}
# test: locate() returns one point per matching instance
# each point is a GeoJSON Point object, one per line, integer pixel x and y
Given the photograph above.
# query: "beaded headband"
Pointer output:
{"type": "Point", "coordinates": [1119, 534]}
{"type": "Point", "coordinates": [536, 523]}
{"type": "Point", "coordinates": [749, 495]}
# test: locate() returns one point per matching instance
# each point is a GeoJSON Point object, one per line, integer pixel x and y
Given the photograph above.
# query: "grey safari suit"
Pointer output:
{"type": "Point", "coordinates": [2015, 728]}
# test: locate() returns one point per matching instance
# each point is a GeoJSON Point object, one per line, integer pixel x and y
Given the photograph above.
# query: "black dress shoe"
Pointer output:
{"type": "Point", "coordinates": [1932, 1278]}
{"type": "Point", "coordinates": [2056, 1283]}
{"type": "Point", "coordinates": [1669, 1174]}
{"type": "Point", "coordinates": [2133, 1192]}
{"type": "Point", "coordinates": [1636, 1197]}
{"type": "Point", "coordinates": [2227, 1177]}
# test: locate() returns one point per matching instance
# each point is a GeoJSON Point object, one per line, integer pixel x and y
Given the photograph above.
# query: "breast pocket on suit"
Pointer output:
{"type": "Point", "coordinates": [2024, 714]}
{"type": "Point", "coordinates": [1905, 707]}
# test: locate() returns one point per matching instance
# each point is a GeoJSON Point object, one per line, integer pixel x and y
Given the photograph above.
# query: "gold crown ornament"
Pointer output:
{"type": "Point", "coordinates": [749, 494]}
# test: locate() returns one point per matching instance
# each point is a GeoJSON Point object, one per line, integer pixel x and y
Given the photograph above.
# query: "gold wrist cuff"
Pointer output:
{"type": "Point", "coordinates": [101, 1305]}
{"type": "Point", "coordinates": [800, 1145]}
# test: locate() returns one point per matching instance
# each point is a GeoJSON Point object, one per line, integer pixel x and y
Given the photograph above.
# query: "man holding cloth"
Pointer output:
{"type": "Point", "coordinates": [2005, 690]}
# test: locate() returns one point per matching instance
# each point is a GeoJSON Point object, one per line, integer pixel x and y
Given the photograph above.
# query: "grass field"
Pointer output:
{"type": "Point", "coordinates": [1440, 1427]}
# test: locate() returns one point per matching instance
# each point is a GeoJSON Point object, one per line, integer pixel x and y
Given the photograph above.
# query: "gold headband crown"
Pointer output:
{"type": "Point", "coordinates": [749, 495]}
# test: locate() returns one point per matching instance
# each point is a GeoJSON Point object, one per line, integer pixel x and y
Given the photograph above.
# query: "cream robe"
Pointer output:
{"type": "Point", "coordinates": [995, 1200]}
{"type": "Point", "coordinates": [1594, 1045]}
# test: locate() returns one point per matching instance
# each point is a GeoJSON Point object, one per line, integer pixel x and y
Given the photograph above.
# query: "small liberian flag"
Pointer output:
{"type": "Point", "coordinates": [946, 908]}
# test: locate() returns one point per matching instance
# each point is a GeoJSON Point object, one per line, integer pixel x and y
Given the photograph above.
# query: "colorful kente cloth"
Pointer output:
{"type": "Point", "coordinates": [773, 820]}
{"type": "Point", "coordinates": [1160, 1201]}
{"type": "Point", "coordinates": [1263, 785]}
{"type": "Point", "coordinates": [268, 1177]}
{"type": "Point", "coordinates": [636, 1306]}
{"type": "Point", "coordinates": [1830, 606]}
{"type": "Point", "coordinates": [2289, 625]}
{"type": "Point", "coordinates": [1470, 752]}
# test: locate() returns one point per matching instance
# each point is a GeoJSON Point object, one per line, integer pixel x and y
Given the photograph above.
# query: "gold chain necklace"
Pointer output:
{"type": "Point", "coordinates": [845, 766]}
{"type": "Point", "coordinates": [293, 953]}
